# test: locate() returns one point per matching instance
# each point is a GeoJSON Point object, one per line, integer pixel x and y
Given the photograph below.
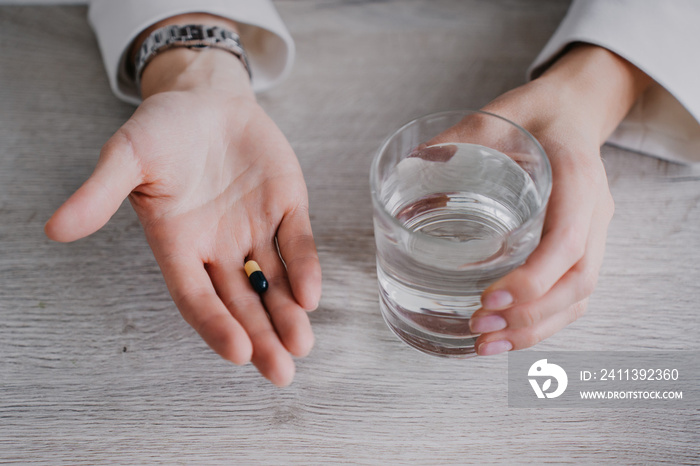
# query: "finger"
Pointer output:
{"type": "Point", "coordinates": [577, 284]}
{"type": "Point", "coordinates": [563, 244]}
{"type": "Point", "coordinates": [507, 339]}
{"type": "Point", "coordinates": [194, 294]}
{"type": "Point", "coordinates": [269, 355]}
{"type": "Point", "coordinates": [289, 319]}
{"type": "Point", "coordinates": [442, 153]}
{"type": "Point", "coordinates": [117, 173]}
{"type": "Point", "coordinates": [297, 247]}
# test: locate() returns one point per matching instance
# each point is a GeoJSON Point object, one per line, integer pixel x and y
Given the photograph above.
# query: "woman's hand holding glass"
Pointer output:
{"type": "Point", "coordinates": [571, 110]}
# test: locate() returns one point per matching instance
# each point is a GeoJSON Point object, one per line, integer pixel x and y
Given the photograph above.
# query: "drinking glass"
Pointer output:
{"type": "Point", "coordinates": [450, 218]}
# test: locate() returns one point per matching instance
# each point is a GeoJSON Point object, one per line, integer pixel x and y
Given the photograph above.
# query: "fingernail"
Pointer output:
{"type": "Point", "coordinates": [494, 347]}
{"type": "Point", "coordinates": [498, 299]}
{"type": "Point", "coordinates": [487, 324]}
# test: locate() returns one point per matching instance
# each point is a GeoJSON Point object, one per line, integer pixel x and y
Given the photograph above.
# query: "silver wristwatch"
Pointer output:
{"type": "Point", "coordinates": [193, 36]}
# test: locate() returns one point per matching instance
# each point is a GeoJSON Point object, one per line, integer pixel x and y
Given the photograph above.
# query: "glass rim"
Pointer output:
{"type": "Point", "coordinates": [373, 177]}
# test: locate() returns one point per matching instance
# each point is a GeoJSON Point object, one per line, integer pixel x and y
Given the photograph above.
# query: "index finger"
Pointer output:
{"type": "Point", "coordinates": [298, 250]}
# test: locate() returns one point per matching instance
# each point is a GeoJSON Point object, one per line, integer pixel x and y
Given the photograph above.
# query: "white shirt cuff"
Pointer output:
{"type": "Point", "coordinates": [267, 42]}
{"type": "Point", "coordinates": [661, 39]}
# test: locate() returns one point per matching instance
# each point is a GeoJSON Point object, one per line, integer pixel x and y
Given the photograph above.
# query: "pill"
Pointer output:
{"type": "Point", "coordinates": [256, 277]}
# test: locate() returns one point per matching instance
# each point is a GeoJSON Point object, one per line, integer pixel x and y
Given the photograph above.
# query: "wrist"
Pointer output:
{"type": "Point", "coordinates": [183, 69]}
{"type": "Point", "coordinates": [596, 85]}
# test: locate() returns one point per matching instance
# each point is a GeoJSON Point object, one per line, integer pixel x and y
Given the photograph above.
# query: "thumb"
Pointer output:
{"type": "Point", "coordinates": [117, 173]}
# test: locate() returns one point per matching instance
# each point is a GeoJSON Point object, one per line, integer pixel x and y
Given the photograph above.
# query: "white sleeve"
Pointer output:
{"type": "Point", "coordinates": [268, 44]}
{"type": "Point", "coordinates": [659, 37]}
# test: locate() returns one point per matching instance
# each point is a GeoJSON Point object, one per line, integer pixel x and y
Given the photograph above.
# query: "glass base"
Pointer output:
{"type": "Point", "coordinates": [452, 340]}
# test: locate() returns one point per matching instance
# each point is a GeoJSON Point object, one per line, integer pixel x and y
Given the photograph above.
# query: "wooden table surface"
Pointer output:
{"type": "Point", "coordinates": [97, 366]}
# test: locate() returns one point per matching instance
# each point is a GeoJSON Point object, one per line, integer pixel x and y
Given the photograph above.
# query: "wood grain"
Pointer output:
{"type": "Point", "coordinates": [96, 365]}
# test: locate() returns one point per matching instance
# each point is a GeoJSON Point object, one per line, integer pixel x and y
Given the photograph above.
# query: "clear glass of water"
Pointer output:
{"type": "Point", "coordinates": [450, 218]}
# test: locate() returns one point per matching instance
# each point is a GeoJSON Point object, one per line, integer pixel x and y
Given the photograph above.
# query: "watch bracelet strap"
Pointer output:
{"type": "Point", "coordinates": [193, 36]}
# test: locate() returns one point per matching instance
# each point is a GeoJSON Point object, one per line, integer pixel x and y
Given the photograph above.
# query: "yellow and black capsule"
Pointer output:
{"type": "Point", "coordinates": [256, 277]}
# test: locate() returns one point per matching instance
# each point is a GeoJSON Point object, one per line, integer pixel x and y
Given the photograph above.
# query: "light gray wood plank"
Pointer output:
{"type": "Point", "coordinates": [96, 366]}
